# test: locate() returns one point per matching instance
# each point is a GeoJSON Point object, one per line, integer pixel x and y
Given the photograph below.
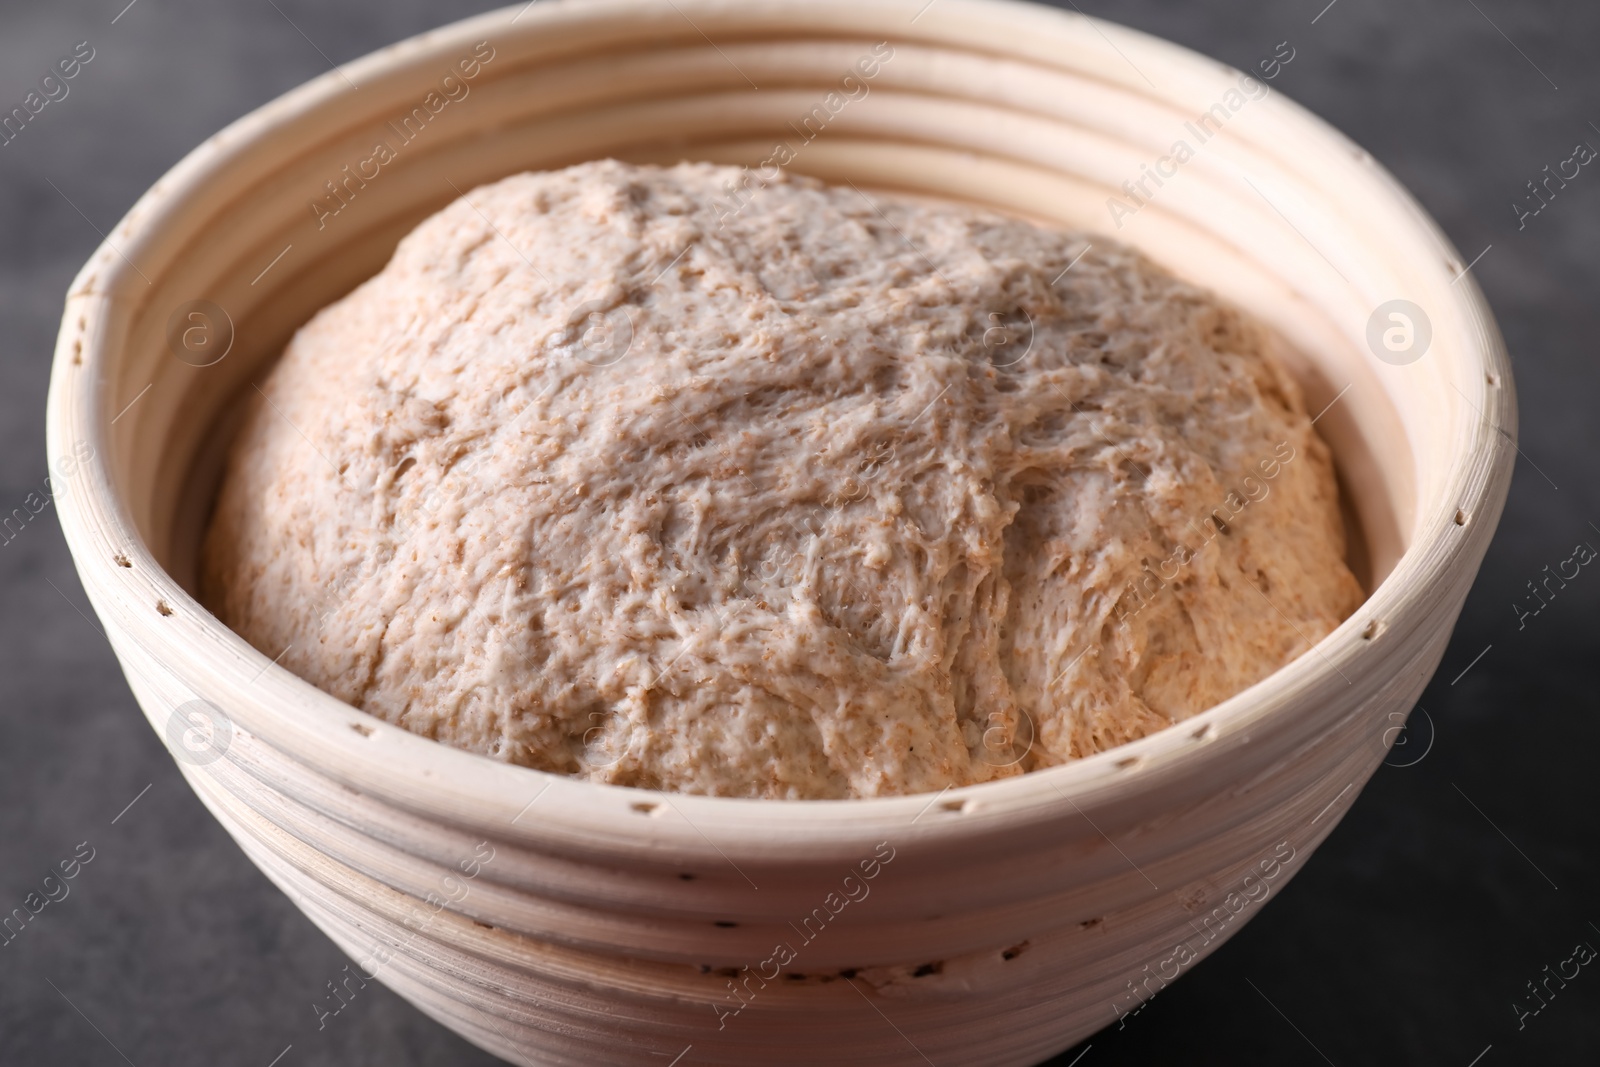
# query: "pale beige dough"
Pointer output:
{"type": "Point", "coordinates": [822, 497]}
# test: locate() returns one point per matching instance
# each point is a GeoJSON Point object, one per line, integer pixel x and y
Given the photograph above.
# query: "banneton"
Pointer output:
{"type": "Point", "coordinates": [854, 84]}
{"type": "Point", "coordinates": [1206, 125]}
{"type": "Point", "coordinates": [1251, 890]}
{"type": "Point", "coordinates": [453, 88]}
{"type": "Point", "coordinates": [746, 983]}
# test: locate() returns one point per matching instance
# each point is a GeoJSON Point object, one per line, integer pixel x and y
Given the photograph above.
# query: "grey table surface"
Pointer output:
{"type": "Point", "coordinates": [1464, 869]}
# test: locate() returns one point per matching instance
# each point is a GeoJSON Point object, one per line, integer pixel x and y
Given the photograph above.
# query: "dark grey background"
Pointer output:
{"type": "Point", "coordinates": [1405, 940]}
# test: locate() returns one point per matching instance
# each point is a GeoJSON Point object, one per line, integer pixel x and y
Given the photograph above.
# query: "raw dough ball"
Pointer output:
{"type": "Point", "coordinates": [817, 496]}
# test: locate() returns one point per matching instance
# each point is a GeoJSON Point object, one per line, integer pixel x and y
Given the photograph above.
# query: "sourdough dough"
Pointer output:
{"type": "Point", "coordinates": [774, 490]}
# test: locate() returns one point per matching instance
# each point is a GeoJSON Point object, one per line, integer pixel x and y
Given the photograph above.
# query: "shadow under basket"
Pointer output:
{"type": "Point", "coordinates": [555, 921]}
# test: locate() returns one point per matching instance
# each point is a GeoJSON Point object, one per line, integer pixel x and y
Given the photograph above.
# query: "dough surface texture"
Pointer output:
{"type": "Point", "coordinates": [819, 496]}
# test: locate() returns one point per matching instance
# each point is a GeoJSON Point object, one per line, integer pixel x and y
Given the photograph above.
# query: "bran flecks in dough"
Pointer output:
{"type": "Point", "coordinates": [829, 497]}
